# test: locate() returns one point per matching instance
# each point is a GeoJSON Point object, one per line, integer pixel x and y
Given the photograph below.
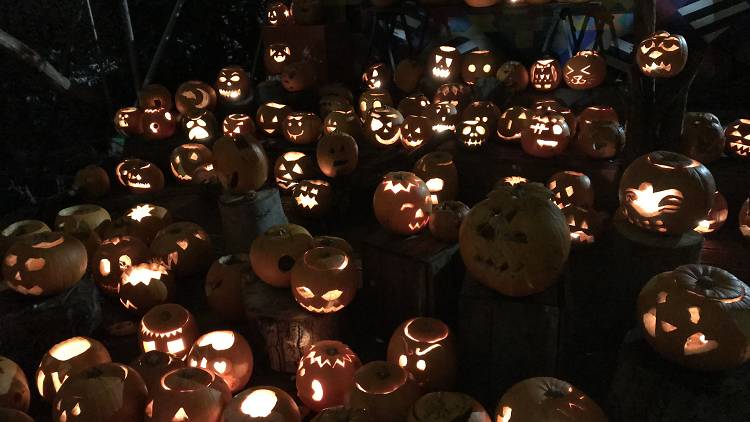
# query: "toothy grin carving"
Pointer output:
{"type": "Point", "coordinates": [231, 93]}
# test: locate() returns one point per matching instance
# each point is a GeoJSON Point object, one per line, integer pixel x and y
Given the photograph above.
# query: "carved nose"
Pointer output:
{"type": "Point", "coordinates": [655, 54]}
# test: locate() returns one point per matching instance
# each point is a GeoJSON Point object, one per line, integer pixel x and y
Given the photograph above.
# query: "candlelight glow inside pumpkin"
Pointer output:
{"type": "Point", "coordinates": [511, 123]}
{"type": "Point", "coordinates": [302, 127]}
{"type": "Point", "coordinates": [545, 74]}
{"type": "Point", "coordinates": [195, 94]}
{"type": "Point", "coordinates": [128, 121]}
{"type": "Point", "coordinates": [326, 374]}
{"type": "Point", "coordinates": [662, 55]}
{"type": "Point", "coordinates": [144, 286]}
{"type": "Point", "coordinates": [113, 257]}
{"type": "Point", "coordinates": [270, 117]}
{"type": "Point", "coordinates": [278, 14]}
{"type": "Point", "coordinates": [262, 404]}
{"type": "Point", "coordinates": [586, 70]}
{"type": "Point", "coordinates": [199, 125]}
{"type": "Point", "coordinates": [168, 328]}
{"type": "Point", "coordinates": [226, 354]}
{"type": "Point", "coordinates": [547, 399]}
{"type": "Point", "coordinates": [277, 54]}
{"type": "Point", "coordinates": [139, 176]}
{"type": "Point", "coordinates": [402, 203]}
{"type": "Point", "coordinates": [324, 280]}
{"type": "Point", "coordinates": [478, 64]}
{"type": "Point", "coordinates": [187, 394]}
{"type": "Point", "coordinates": [571, 188]}
{"type": "Point", "coordinates": [158, 123]}
{"type": "Point", "coordinates": [415, 131]}
{"type": "Point", "coordinates": [291, 168]}
{"type": "Point", "coordinates": [376, 76]}
{"type": "Point", "coordinates": [14, 387]}
{"type": "Point", "coordinates": [716, 217]}
{"type": "Point", "coordinates": [313, 197]}
{"type": "Point", "coordinates": [233, 84]}
{"type": "Point", "coordinates": [65, 359]}
{"type": "Point", "coordinates": [445, 63]}
{"type": "Point", "coordinates": [187, 158]}
{"type": "Point", "coordinates": [383, 126]}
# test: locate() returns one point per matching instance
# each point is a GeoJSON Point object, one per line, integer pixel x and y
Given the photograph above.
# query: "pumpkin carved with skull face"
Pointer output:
{"type": "Point", "coordinates": [276, 55]}
{"type": "Point", "coordinates": [737, 136]}
{"type": "Point", "coordinates": [187, 158]}
{"type": "Point", "coordinates": [546, 135]}
{"type": "Point", "coordinates": [571, 188]}
{"type": "Point", "coordinates": [662, 55]}
{"type": "Point", "coordinates": [187, 394]}
{"type": "Point", "coordinates": [377, 76]}
{"type": "Point", "coordinates": [444, 64]}
{"type": "Point", "coordinates": [185, 248]}
{"type": "Point", "coordinates": [195, 94]}
{"type": "Point", "coordinates": [702, 137]}
{"type": "Point", "coordinates": [547, 399]}
{"type": "Point", "coordinates": [274, 253]}
{"type": "Point", "coordinates": [325, 280]}
{"type": "Point", "coordinates": [226, 354]}
{"type": "Point", "coordinates": [65, 359]}
{"type": "Point", "coordinates": [241, 164]}
{"type": "Point", "coordinates": [511, 123]}
{"type": "Point", "coordinates": [513, 75]}
{"type": "Point", "coordinates": [313, 197]}
{"type": "Point", "coordinates": [472, 134]}
{"type": "Point", "coordinates": [586, 70]}
{"type": "Point", "coordinates": [262, 404]}
{"type": "Point", "coordinates": [291, 168]}
{"type": "Point", "coordinates": [383, 126]}
{"type": "Point", "coordinates": [337, 154]}
{"type": "Point", "coordinates": [326, 374]}
{"type": "Point", "coordinates": [478, 64]}
{"type": "Point", "coordinates": [145, 285]}
{"type": "Point", "coordinates": [158, 123]}
{"type": "Point", "coordinates": [113, 257]}
{"type": "Point", "coordinates": [168, 328]}
{"type": "Point", "coordinates": [383, 390]}
{"type": "Point", "coordinates": [402, 203]}
{"type": "Point", "coordinates": [233, 85]}
{"type": "Point", "coordinates": [270, 118]}
{"type": "Point", "coordinates": [486, 112]}
{"type": "Point", "coordinates": [302, 128]}
{"type": "Point", "coordinates": [199, 125]}
{"type": "Point", "coordinates": [14, 387]}
{"type": "Point", "coordinates": [415, 132]}
{"type": "Point", "coordinates": [545, 74]}
{"type": "Point", "coordinates": [139, 176]}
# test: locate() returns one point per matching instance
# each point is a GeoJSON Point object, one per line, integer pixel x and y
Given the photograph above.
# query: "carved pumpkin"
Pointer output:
{"type": "Point", "coordinates": [187, 394]}
{"type": "Point", "coordinates": [383, 390]}
{"type": "Point", "coordinates": [446, 220]}
{"type": "Point", "coordinates": [444, 64]}
{"type": "Point", "coordinates": [326, 374]}
{"type": "Point", "coordinates": [547, 399]}
{"type": "Point", "coordinates": [702, 137]}
{"type": "Point", "coordinates": [153, 365]}
{"type": "Point", "coordinates": [154, 96]}
{"type": "Point", "coordinates": [335, 242]}
{"type": "Point", "coordinates": [233, 85]}
{"type": "Point", "coordinates": [335, 96]}
{"type": "Point", "coordinates": [185, 160]}
{"type": "Point", "coordinates": [415, 105]}
{"type": "Point", "coordinates": [262, 404]}
{"type": "Point", "coordinates": [444, 116]}
{"type": "Point", "coordinates": [274, 253]}
{"type": "Point", "coordinates": [744, 219]}
{"type": "Point", "coordinates": [415, 132]}
{"type": "Point", "coordinates": [240, 164]}
{"type": "Point", "coordinates": [737, 136]}
{"type": "Point", "coordinates": [555, 106]}
{"type": "Point", "coordinates": [545, 74]}
{"type": "Point", "coordinates": [402, 203]}
{"type": "Point", "coordinates": [302, 128]}
{"type": "Point", "coordinates": [185, 248]}
{"type": "Point", "coordinates": [270, 118]}
{"type": "Point", "coordinates": [546, 134]}
{"type": "Point", "coordinates": [142, 221]}
{"type": "Point", "coordinates": [408, 74]}
{"type": "Point", "coordinates": [325, 280]}
{"type": "Point", "coordinates": [383, 126]}
{"type": "Point", "coordinates": [439, 173]}
{"type": "Point", "coordinates": [600, 139]}
{"type": "Point", "coordinates": [44, 263]}
{"type": "Point", "coordinates": [145, 285]}
{"type": "Point", "coordinates": [373, 98]}
{"type": "Point", "coordinates": [278, 14]}
{"type": "Point", "coordinates": [14, 387]}
{"type": "Point", "coordinates": [223, 286]}
{"type": "Point", "coordinates": [139, 176]}
{"type": "Point", "coordinates": [194, 94]}
{"type": "Point", "coordinates": [276, 56]}
{"type": "Point", "coordinates": [337, 154]}
{"type": "Point", "coordinates": [448, 407]}
{"type": "Point", "coordinates": [510, 181]}
{"type": "Point", "coordinates": [425, 347]}
{"type": "Point", "coordinates": [291, 168]}
{"type": "Point", "coordinates": [65, 359]}
{"type": "Point", "coordinates": [158, 123]}
{"type": "Point", "coordinates": [510, 124]}
{"type": "Point", "coordinates": [238, 124]}
{"type": "Point", "coordinates": [129, 121]}
{"type": "Point", "coordinates": [81, 218]}
{"type": "Point", "coordinates": [516, 241]}
{"type": "Point", "coordinates": [91, 182]}
{"type": "Point", "coordinates": [571, 188]}
{"type": "Point", "coordinates": [342, 121]}
{"type": "Point", "coordinates": [597, 114]}
{"type": "Point", "coordinates": [298, 76]}
{"type": "Point", "coordinates": [376, 76]}
{"type": "Point", "coordinates": [513, 76]}
{"type": "Point", "coordinates": [455, 93]}
{"type": "Point", "coordinates": [226, 354]}
{"type": "Point", "coordinates": [472, 134]}
{"type": "Point", "coordinates": [586, 70]}
{"type": "Point", "coordinates": [113, 257]}
{"type": "Point", "coordinates": [585, 224]}
{"type": "Point", "coordinates": [478, 64]}
{"type": "Point", "coordinates": [313, 197]}
{"type": "Point", "coordinates": [199, 125]}
{"type": "Point", "coordinates": [666, 192]}
{"type": "Point", "coordinates": [695, 316]}
{"type": "Point", "coordinates": [168, 328]}
{"type": "Point", "coordinates": [662, 55]}
{"type": "Point", "coordinates": [105, 392]}
{"type": "Point", "coordinates": [716, 217]}
{"type": "Point", "coordinates": [486, 112]}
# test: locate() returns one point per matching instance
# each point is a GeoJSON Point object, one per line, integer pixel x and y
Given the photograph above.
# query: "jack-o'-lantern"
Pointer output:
{"type": "Point", "coordinates": [600, 139]}
{"type": "Point", "coordinates": [186, 158]}
{"type": "Point", "coordinates": [511, 123]}
{"type": "Point", "coordinates": [158, 123]}
{"type": "Point", "coordinates": [547, 399]}
{"type": "Point", "coordinates": [113, 257]}
{"type": "Point", "coordinates": [226, 354]}
{"type": "Point", "coordinates": [194, 94]}
{"type": "Point", "coordinates": [154, 96]}
{"type": "Point", "coordinates": [515, 241]}
{"type": "Point", "coordinates": [383, 126]}
{"type": "Point", "coordinates": [233, 85]}
{"type": "Point", "coordinates": [337, 154]}
{"type": "Point", "coordinates": [585, 224]}
{"type": "Point", "coordinates": [414, 105]}
{"type": "Point", "coordinates": [129, 121]}
{"type": "Point", "coordinates": [291, 167]}
{"type": "Point", "coordinates": [145, 285]}
{"type": "Point", "coordinates": [240, 164]}
{"type": "Point", "coordinates": [335, 242]}
{"type": "Point", "coordinates": [185, 248]}
{"type": "Point", "coordinates": [425, 347]}
{"type": "Point", "coordinates": [513, 76]}
{"type": "Point", "coordinates": [91, 182]}
{"type": "Point", "coordinates": [415, 132]}
{"type": "Point", "coordinates": [151, 366]}
{"type": "Point", "coordinates": [298, 76]}
{"type": "Point", "coordinates": [274, 253]}
{"type": "Point", "coordinates": [744, 219]}
{"type": "Point", "coordinates": [571, 188]}
{"type": "Point", "coordinates": [383, 390]}
{"type": "Point", "coordinates": [105, 392]}
{"type": "Point", "coordinates": [597, 114]}
{"type": "Point", "coordinates": [142, 221]}
{"type": "Point", "coordinates": [18, 230]}
{"type": "Point", "coordinates": [439, 173]}
{"type": "Point", "coordinates": [168, 328]}
{"type": "Point", "coordinates": [139, 176]}
{"type": "Point", "coordinates": [44, 264]}
{"type": "Point", "coordinates": [65, 359]}
{"type": "Point", "coordinates": [695, 316]}
{"type": "Point", "coordinates": [666, 192]}
{"type": "Point", "coordinates": [472, 134]}
{"type": "Point", "coordinates": [377, 76]}
{"type": "Point", "coordinates": [408, 74]}
{"type": "Point", "coordinates": [444, 63]}
{"type": "Point", "coordinates": [307, 12]}
{"type": "Point", "coordinates": [716, 217]}
{"type": "Point", "coordinates": [448, 406]}
{"type": "Point", "coordinates": [510, 181]}
{"type": "Point", "coordinates": [270, 117]}
{"type": "Point", "coordinates": [737, 136]}
{"type": "Point", "coordinates": [276, 55]}
{"type": "Point", "coordinates": [278, 14]}
{"type": "Point", "coordinates": [373, 98]}
{"type": "Point", "coordinates": [456, 94]}
{"type": "Point", "coordinates": [545, 74]}
{"type": "Point", "coordinates": [302, 127]}
{"type": "Point", "coordinates": [326, 374]}
{"type": "Point", "coordinates": [702, 137]}
{"type": "Point", "coordinates": [199, 125]}
{"type": "Point", "coordinates": [342, 121]}
{"type": "Point", "coordinates": [81, 218]}
{"type": "Point", "coordinates": [486, 112]}
{"type": "Point", "coordinates": [324, 280]}
{"type": "Point", "coordinates": [262, 404]}
{"type": "Point", "coordinates": [662, 55]}
{"type": "Point", "coordinates": [444, 116]}
{"type": "Point", "coordinates": [238, 124]}
{"type": "Point", "coordinates": [446, 220]}
{"type": "Point", "coordinates": [14, 387]}
{"type": "Point", "coordinates": [223, 286]}
{"type": "Point", "coordinates": [313, 197]}
{"type": "Point", "coordinates": [478, 64]}
{"type": "Point", "coordinates": [586, 70]}
{"type": "Point", "coordinates": [402, 203]}
{"type": "Point", "coordinates": [546, 134]}
{"type": "Point", "coordinates": [554, 106]}
{"type": "Point", "coordinates": [187, 394]}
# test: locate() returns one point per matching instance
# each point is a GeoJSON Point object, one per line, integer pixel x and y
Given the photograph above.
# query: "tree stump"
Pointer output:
{"type": "Point", "coordinates": [244, 217]}
{"type": "Point", "coordinates": [647, 388]}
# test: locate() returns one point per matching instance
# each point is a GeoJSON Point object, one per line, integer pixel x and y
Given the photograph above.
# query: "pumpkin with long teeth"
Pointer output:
{"type": "Point", "coordinates": [240, 164]}
{"type": "Point", "coordinates": [444, 63]}
{"type": "Point", "coordinates": [585, 224]}
{"type": "Point", "coordinates": [226, 354]}
{"type": "Point", "coordinates": [270, 118]}
{"type": "Point", "coordinates": [154, 96]}
{"type": "Point", "coordinates": [187, 394]}
{"type": "Point", "coordinates": [274, 253]}
{"type": "Point", "coordinates": [737, 136]}
{"type": "Point", "coordinates": [65, 359]}
{"type": "Point", "coordinates": [377, 76]}
{"type": "Point", "coordinates": [402, 203]}
{"type": "Point", "coordinates": [337, 154]}
{"type": "Point", "coordinates": [278, 14]}
{"type": "Point", "coordinates": [383, 126]}
{"type": "Point", "coordinates": [158, 123]}
{"type": "Point", "coordinates": [415, 132]}
{"type": "Point", "coordinates": [414, 105]}
{"type": "Point", "coordinates": [444, 116]}
{"type": "Point", "coordinates": [261, 404]}
{"type": "Point", "coordinates": [276, 55]}
{"type": "Point", "coordinates": [571, 188]}
{"type": "Point", "coordinates": [302, 127]}
{"type": "Point", "coordinates": [373, 98]}
{"type": "Point", "coordinates": [702, 137]}
{"type": "Point", "coordinates": [324, 280]}
{"type": "Point", "coordinates": [168, 328]}
{"type": "Point", "coordinates": [291, 168]}
{"type": "Point", "coordinates": [586, 70]}
{"type": "Point", "coordinates": [545, 74]}
{"type": "Point", "coordinates": [139, 176]}
{"type": "Point", "coordinates": [472, 134]}
{"type": "Point", "coordinates": [662, 55]}
{"type": "Point", "coordinates": [195, 94]}
{"type": "Point", "coordinates": [14, 387]}
{"type": "Point", "coordinates": [129, 121]}
{"type": "Point", "coordinates": [546, 135]}
{"type": "Point", "coordinates": [186, 159]}
{"type": "Point", "coordinates": [113, 257]}
{"type": "Point", "coordinates": [511, 123]}
{"type": "Point", "coordinates": [513, 75]}
{"type": "Point", "coordinates": [199, 125]}
{"type": "Point", "coordinates": [326, 374]}
{"type": "Point", "coordinates": [478, 64]}
{"type": "Point", "coordinates": [185, 248]}
{"type": "Point", "coordinates": [233, 85]}
{"type": "Point", "coordinates": [145, 285]}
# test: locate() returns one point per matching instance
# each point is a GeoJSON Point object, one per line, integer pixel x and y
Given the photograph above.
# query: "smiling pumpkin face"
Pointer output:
{"type": "Point", "coordinates": [383, 126]}
{"type": "Point", "coordinates": [168, 328]}
{"type": "Point", "coordinates": [139, 176]}
{"type": "Point", "coordinates": [337, 154]}
{"type": "Point", "coordinates": [302, 128]}
{"type": "Point", "coordinates": [275, 56]}
{"type": "Point", "coordinates": [662, 55]}
{"type": "Point", "coordinates": [586, 70]}
{"type": "Point", "coordinates": [415, 132]}
{"type": "Point", "coordinates": [511, 123]}
{"type": "Point", "coordinates": [402, 203]}
{"type": "Point", "coordinates": [326, 374]}
{"type": "Point", "coordinates": [232, 84]}
{"type": "Point", "coordinates": [325, 280]}
{"type": "Point", "coordinates": [278, 14]}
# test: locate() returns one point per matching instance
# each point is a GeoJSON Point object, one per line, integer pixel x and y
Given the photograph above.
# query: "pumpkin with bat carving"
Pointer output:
{"type": "Point", "coordinates": [376, 76]}
{"type": "Point", "coordinates": [737, 136]}
{"type": "Point", "coordinates": [129, 121]}
{"type": "Point", "coordinates": [383, 390]}
{"type": "Point", "coordinates": [274, 253]}
{"type": "Point", "coordinates": [44, 264]}
{"type": "Point", "coordinates": [585, 224]}
{"type": "Point", "coordinates": [187, 394]}
{"type": "Point", "coordinates": [65, 359]}
{"type": "Point", "coordinates": [278, 14]}
{"type": "Point", "coordinates": [702, 137]}
{"type": "Point", "coordinates": [168, 328]}
{"type": "Point", "coordinates": [223, 286]}
{"type": "Point", "coordinates": [14, 387]}
{"type": "Point", "coordinates": [233, 85]}
{"type": "Point", "coordinates": [546, 134]}
{"type": "Point", "coordinates": [666, 192]}
{"type": "Point", "coordinates": [446, 220]}
{"type": "Point", "coordinates": [444, 64]}
{"type": "Point", "coordinates": [241, 164]}
{"type": "Point", "coordinates": [158, 123]}
{"type": "Point", "coordinates": [586, 70]}
{"type": "Point", "coordinates": [571, 188]}
{"type": "Point", "coordinates": [696, 316]}
{"type": "Point", "coordinates": [298, 76]}
{"type": "Point", "coordinates": [515, 241]}
{"type": "Point", "coordinates": [337, 154]}
{"type": "Point", "coordinates": [511, 123]}
{"type": "Point", "coordinates": [302, 127]}
{"type": "Point", "coordinates": [226, 354]}
{"type": "Point", "coordinates": [113, 257]}
{"type": "Point", "coordinates": [373, 98]}
{"type": "Point", "coordinates": [326, 374]}
{"type": "Point", "coordinates": [194, 94]}
{"type": "Point", "coordinates": [146, 285]}
{"type": "Point", "coordinates": [291, 168]}
{"type": "Point", "coordinates": [139, 176]}
{"type": "Point", "coordinates": [199, 125]}
{"type": "Point", "coordinates": [187, 158]}
{"type": "Point", "coordinates": [413, 105]}
{"type": "Point", "coordinates": [313, 197]}
{"type": "Point", "coordinates": [185, 248]}
{"type": "Point", "coordinates": [154, 96]}
{"type": "Point", "coordinates": [324, 280]}
{"type": "Point", "coordinates": [153, 365]}
{"type": "Point", "coordinates": [383, 126]}
{"type": "Point", "coordinates": [270, 118]}
{"type": "Point", "coordinates": [262, 404]}
{"type": "Point", "coordinates": [662, 55]}
{"type": "Point", "coordinates": [91, 182]}
{"type": "Point", "coordinates": [105, 392]}
{"type": "Point", "coordinates": [513, 76]}
{"type": "Point", "coordinates": [448, 407]}
{"type": "Point", "coordinates": [415, 132]}
{"type": "Point", "coordinates": [343, 121]}
{"type": "Point", "coordinates": [600, 139]}
{"type": "Point", "coordinates": [402, 203]}
{"type": "Point", "coordinates": [547, 399]}
{"type": "Point", "coordinates": [478, 64]}
{"type": "Point", "coordinates": [545, 74]}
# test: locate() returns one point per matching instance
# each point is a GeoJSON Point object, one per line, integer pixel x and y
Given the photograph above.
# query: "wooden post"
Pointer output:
{"type": "Point", "coordinates": [244, 217]}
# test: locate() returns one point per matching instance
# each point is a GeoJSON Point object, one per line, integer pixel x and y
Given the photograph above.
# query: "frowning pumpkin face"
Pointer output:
{"type": "Point", "coordinates": [200, 125]}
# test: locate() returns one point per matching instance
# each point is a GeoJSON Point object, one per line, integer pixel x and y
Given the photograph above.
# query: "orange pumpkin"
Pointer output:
{"type": "Point", "coordinates": [91, 182]}
{"type": "Point", "coordinates": [546, 135]}
{"type": "Point", "coordinates": [158, 123]}
{"type": "Point", "coordinates": [415, 132]}
{"type": "Point", "coordinates": [383, 126]}
{"type": "Point", "coordinates": [547, 399]}
{"type": "Point", "coordinates": [15, 392]}
{"type": "Point", "coordinates": [226, 354]}
{"type": "Point", "coordinates": [274, 253]}
{"type": "Point", "coordinates": [194, 94]}
{"type": "Point", "coordinates": [302, 128]}
{"type": "Point", "coordinates": [439, 173]}
{"type": "Point", "coordinates": [291, 168]}
{"type": "Point", "coordinates": [154, 96]}
{"type": "Point", "coordinates": [113, 257]}
{"type": "Point", "coordinates": [324, 280]}
{"type": "Point", "coordinates": [413, 105]}
{"type": "Point", "coordinates": [376, 76]}
{"type": "Point", "coordinates": [408, 74]}
{"type": "Point", "coordinates": [65, 359]}
{"type": "Point", "coordinates": [241, 165]}
{"type": "Point", "coordinates": [313, 198]}
{"type": "Point", "coordinates": [716, 217]}
{"type": "Point", "coordinates": [145, 285]}
{"type": "Point", "coordinates": [586, 70]}
{"type": "Point", "coordinates": [187, 158]}
{"type": "Point", "coordinates": [153, 365]}
{"type": "Point", "coordinates": [129, 121]}
{"type": "Point", "coordinates": [326, 374]}
{"type": "Point", "coordinates": [373, 98]}
{"type": "Point", "coordinates": [571, 188]}
{"type": "Point", "coordinates": [479, 63]}
{"type": "Point", "coordinates": [337, 154]}
{"type": "Point", "coordinates": [446, 220]}
{"type": "Point", "coordinates": [513, 76]}
{"type": "Point", "coordinates": [511, 123]}
{"type": "Point", "coordinates": [384, 390]}
{"type": "Point", "coordinates": [444, 64]}
{"type": "Point", "coordinates": [402, 203]}
{"type": "Point", "coordinates": [185, 247]}
{"type": "Point", "coordinates": [448, 407]}
{"type": "Point", "coordinates": [545, 74]}
{"type": "Point", "coordinates": [139, 176]}
{"type": "Point", "coordinates": [262, 404]}
{"type": "Point", "coordinates": [223, 286]}
{"type": "Point", "coordinates": [168, 328]}
{"type": "Point", "coordinates": [270, 118]}
{"type": "Point", "coordinates": [186, 394]}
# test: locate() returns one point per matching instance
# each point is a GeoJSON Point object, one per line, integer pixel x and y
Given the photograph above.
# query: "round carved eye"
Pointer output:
{"type": "Point", "coordinates": [472, 68]}
{"type": "Point", "coordinates": [486, 68]}
{"type": "Point", "coordinates": [403, 361]}
{"type": "Point", "coordinates": [421, 365]}
{"type": "Point", "coordinates": [190, 124]}
{"type": "Point", "coordinates": [104, 266]}
{"type": "Point", "coordinates": [305, 292]}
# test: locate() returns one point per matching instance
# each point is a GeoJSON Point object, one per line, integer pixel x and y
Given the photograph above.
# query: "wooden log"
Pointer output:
{"type": "Point", "coordinates": [647, 388]}
{"type": "Point", "coordinates": [244, 217]}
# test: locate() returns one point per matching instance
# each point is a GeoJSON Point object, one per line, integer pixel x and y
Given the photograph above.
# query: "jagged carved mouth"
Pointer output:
{"type": "Point", "coordinates": [306, 201]}
{"type": "Point", "coordinates": [441, 72]}
{"type": "Point", "coordinates": [653, 67]}
{"type": "Point", "coordinates": [739, 148]}
{"type": "Point", "coordinates": [327, 309]}
{"type": "Point", "coordinates": [418, 225]}
{"type": "Point", "coordinates": [139, 185]}
{"type": "Point", "coordinates": [230, 93]}
{"type": "Point", "coordinates": [581, 237]}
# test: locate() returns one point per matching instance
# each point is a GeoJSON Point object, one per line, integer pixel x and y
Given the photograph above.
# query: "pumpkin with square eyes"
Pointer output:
{"type": "Point", "coordinates": [240, 164]}
{"type": "Point", "coordinates": [223, 286]}
{"type": "Point", "coordinates": [187, 394]}
{"type": "Point", "coordinates": [472, 134]}
{"type": "Point", "coordinates": [262, 404]}
{"type": "Point", "coordinates": [376, 76]}
{"type": "Point", "coordinates": [702, 137]}
{"type": "Point", "coordinates": [154, 96]}
{"type": "Point", "coordinates": [511, 123]}
{"type": "Point", "coordinates": [585, 225]}
{"type": "Point", "coordinates": [444, 116]}
{"type": "Point", "coordinates": [291, 168]}
{"type": "Point", "coordinates": [455, 93]}
{"type": "Point", "coordinates": [270, 118]}
{"type": "Point", "coordinates": [383, 126]}
{"type": "Point", "coordinates": [444, 64]}
{"type": "Point", "coordinates": [199, 125]}
{"type": "Point", "coordinates": [324, 280]}
{"type": "Point", "coordinates": [65, 359]}
{"type": "Point", "coordinates": [402, 203]}
{"type": "Point", "coordinates": [225, 353]}
{"type": "Point", "coordinates": [158, 123]}
{"type": "Point", "coordinates": [439, 173]}
{"type": "Point", "coordinates": [274, 253]}
{"type": "Point", "coordinates": [145, 285]}
{"type": "Point", "coordinates": [716, 217]}
{"type": "Point", "coordinates": [337, 154]}
{"type": "Point", "coordinates": [446, 220]}
{"type": "Point", "coordinates": [345, 121]}
{"type": "Point", "coordinates": [415, 132]}
{"type": "Point", "coordinates": [113, 257]}
{"type": "Point", "coordinates": [513, 76]}
{"type": "Point", "coordinates": [571, 188]}
{"type": "Point", "coordinates": [298, 76]}
{"type": "Point", "coordinates": [373, 98]}
{"type": "Point", "coordinates": [275, 56]}
{"type": "Point", "coordinates": [233, 85]}
{"type": "Point", "coordinates": [414, 105]}
{"type": "Point", "coordinates": [383, 390]}
{"type": "Point", "coordinates": [408, 74]}
{"type": "Point", "coordinates": [129, 121]}
{"type": "Point", "coordinates": [586, 70]}
{"type": "Point", "coordinates": [313, 197]}
{"type": "Point", "coordinates": [278, 14]}
{"type": "Point", "coordinates": [737, 136]}
{"type": "Point", "coordinates": [139, 176]}
{"type": "Point", "coordinates": [546, 135]}
{"type": "Point", "coordinates": [326, 374]}
{"type": "Point", "coordinates": [186, 159]}
{"type": "Point", "coordinates": [14, 387]}
{"type": "Point", "coordinates": [662, 55]}
{"type": "Point", "coordinates": [185, 247]}
{"type": "Point", "coordinates": [486, 112]}
{"type": "Point", "coordinates": [44, 264]}
{"type": "Point", "coordinates": [547, 399]}
{"type": "Point", "coordinates": [302, 127]}
{"type": "Point", "coordinates": [545, 74]}
{"type": "Point", "coordinates": [478, 64]}
{"type": "Point", "coordinates": [600, 139]}
{"type": "Point", "coordinates": [666, 192]}
{"type": "Point", "coordinates": [151, 366]}
{"type": "Point", "coordinates": [168, 328]}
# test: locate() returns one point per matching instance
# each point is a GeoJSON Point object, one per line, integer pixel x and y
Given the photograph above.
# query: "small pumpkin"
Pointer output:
{"type": "Point", "coordinates": [275, 56]}
{"type": "Point", "coordinates": [545, 74]}
{"type": "Point", "coordinates": [337, 154]}
{"type": "Point", "coordinates": [129, 121]}
{"type": "Point", "coordinates": [444, 116]}
{"type": "Point", "coordinates": [262, 404]}
{"type": "Point", "coordinates": [324, 280]}
{"type": "Point", "coordinates": [186, 394]}
{"type": "Point", "coordinates": [457, 94]}
{"type": "Point", "coordinates": [278, 14]}
{"type": "Point", "coordinates": [298, 76]}
{"type": "Point", "coordinates": [744, 219]}
{"type": "Point", "coordinates": [547, 399]}
{"type": "Point", "coordinates": [446, 220]}
{"type": "Point", "coordinates": [187, 158]}
{"type": "Point", "coordinates": [302, 128]}
{"type": "Point", "coordinates": [199, 125]}
{"type": "Point", "coordinates": [226, 354]}
{"type": "Point", "coordinates": [486, 112]}
{"type": "Point", "coordinates": [223, 286]}
{"type": "Point", "coordinates": [408, 74]}
{"type": "Point", "coordinates": [702, 137]}
{"type": "Point", "coordinates": [168, 328]}
{"type": "Point", "coordinates": [154, 96]}
{"type": "Point", "coordinates": [238, 124]}
{"type": "Point", "coordinates": [472, 134]}
{"type": "Point", "coordinates": [139, 176]}
{"type": "Point", "coordinates": [402, 203]}
{"type": "Point", "coordinates": [571, 188]}
{"type": "Point", "coordinates": [291, 168]}
{"type": "Point", "coordinates": [513, 76]}
{"type": "Point", "coordinates": [145, 285]}
{"type": "Point", "coordinates": [241, 164]}
{"type": "Point", "coordinates": [600, 139]}
{"type": "Point", "coordinates": [439, 173]}
{"type": "Point", "coordinates": [716, 217]}
{"type": "Point", "coordinates": [444, 64]}
{"type": "Point", "coordinates": [448, 407]}
{"type": "Point", "coordinates": [326, 374]}
{"type": "Point", "coordinates": [384, 390]}
{"type": "Point", "coordinates": [274, 253]}
{"type": "Point", "coordinates": [737, 136]}
{"type": "Point", "coordinates": [585, 225]}
{"type": "Point", "coordinates": [113, 257]}
{"type": "Point", "coordinates": [342, 121]}
{"type": "Point", "coordinates": [373, 98]}
{"type": "Point", "coordinates": [65, 359]}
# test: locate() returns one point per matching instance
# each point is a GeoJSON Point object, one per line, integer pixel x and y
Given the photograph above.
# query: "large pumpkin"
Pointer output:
{"type": "Point", "coordinates": [241, 164]}
{"type": "Point", "coordinates": [326, 374]}
{"type": "Point", "coordinates": [262, 404]}
{"type": "Point", "coordinates": [337, 154]}
{"type": "Point", "coordinates": [18, 230]}
{"type": "Point", "coordinates": [447, 407]}
{"type": "Point", "coordinates": [187, 394]}
{"type": "Point", "coordinates": [168, 328]}
{"type": "Point", "coordinates": [384, 390]}
{"type": "Point", "coordinates": [516, 241]}
{"type": "Point", "coordinates": [185, 247]}
{"type": "Point", "coordinates": [14, 387]}
{"type": "Point", "coordinates": [67, 358]}
{"type": "Point", "coordinates": [223, 286]}
{"type": "Point", "coordinates": [586, 70]}
{"type": "Point", "coordinates": [302, 128]}
{"type": "Point", "coordinates": [662, 55]}
{"type": "Point", "coordinates": [666, 192]}
{"type": "Point", "coordinates": [402, 203]}
{"type": "Point", "coordinates": [113, 257]}
{"type": "Point", "coordinates": [274, 253]}
{"type": "Point", "coordinates": [325, 280]}
{"type": "Point", "coordinates": [226, 354]}
{"type": "Point", "coordinates": [547, 399]}
{"type": "Point", "coordinates": [702, 137]}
